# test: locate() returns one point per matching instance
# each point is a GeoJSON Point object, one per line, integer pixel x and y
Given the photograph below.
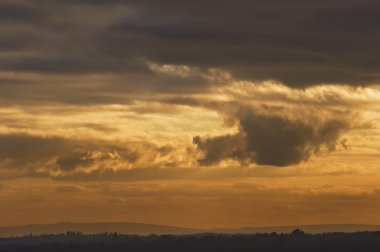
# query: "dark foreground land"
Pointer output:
{"type": "Point", "coordinates": [108, 242]}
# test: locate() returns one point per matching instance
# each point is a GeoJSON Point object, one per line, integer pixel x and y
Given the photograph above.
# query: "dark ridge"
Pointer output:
{"type": "Point", "coordinates": [147, 229]}
{"type": "Point", "coordinates": [93, 228]}
{"type": "Point", "coordinates": [207, 242]}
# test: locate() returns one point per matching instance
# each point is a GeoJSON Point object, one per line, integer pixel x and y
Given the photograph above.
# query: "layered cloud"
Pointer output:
{"type": "Point", "coordinates": [182, 112]}
{"type": "Point", "coordinates": [180, 87]}
{"type": "Point", "coordinates": [234, 122]}
{"type": "Point", "coordinates": [37, 156]}
{"type": "Point", "coordinates": [297, 43]}
{"type": "Point", "coordinates": [242, 124]}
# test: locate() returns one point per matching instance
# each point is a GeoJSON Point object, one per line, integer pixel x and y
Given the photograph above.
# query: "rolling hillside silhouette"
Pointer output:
{"type": "Point", "coordinates": [310, 229]}
{"type": "Point", "coordinates": [147, 229]}
{"type": "Point", "coordinates": [294, 242]}
{"type": "Point", "coordinates": [93, 228]}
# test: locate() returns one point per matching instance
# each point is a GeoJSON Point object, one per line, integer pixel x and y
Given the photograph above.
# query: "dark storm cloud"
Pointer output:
{"type": "Point", "coordinates": [17, 11]}
{"type": "Point", "coordinates": [272, 140]}
{"type": "Point", "coordinates": [296, 42]}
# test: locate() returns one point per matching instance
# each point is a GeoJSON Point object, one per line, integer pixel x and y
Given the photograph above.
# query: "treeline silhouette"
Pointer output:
{"type": "Point", "coordinates": [109, 242]}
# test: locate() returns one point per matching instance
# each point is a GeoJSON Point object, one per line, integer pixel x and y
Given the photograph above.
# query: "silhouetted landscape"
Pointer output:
{"type": "Point", "coordinates": [94, 228]}
{"type": "Point", "coordinates": [295, 241]}
{"type": "Point", "coordinates": [131, 228]}
{"type": "Point", "coordinates": [127, 236]}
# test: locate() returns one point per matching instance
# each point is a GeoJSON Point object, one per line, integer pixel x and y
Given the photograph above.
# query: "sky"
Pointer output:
{"type": "Point", "coordinates": [202, 114]}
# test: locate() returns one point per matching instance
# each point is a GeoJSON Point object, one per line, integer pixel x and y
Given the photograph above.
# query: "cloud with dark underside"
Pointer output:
{"type": "Point", "coordinates": [72, 161]}
{"type": "Point", "coordinates": [295, 42]}
{"type": "Point", "coordinates": [32, 155]}
{"type": "Point", "coordinates": [19, 11]}
{"type": "Point", "coordinates": [272, 140]}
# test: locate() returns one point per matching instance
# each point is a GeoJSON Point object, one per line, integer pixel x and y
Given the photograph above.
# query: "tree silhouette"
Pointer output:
{"type": "Point", "coordinates": [298, 232]}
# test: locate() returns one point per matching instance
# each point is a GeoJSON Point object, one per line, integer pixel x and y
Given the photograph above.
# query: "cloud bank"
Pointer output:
{"type": "Point", "coordinates": [299, 43]}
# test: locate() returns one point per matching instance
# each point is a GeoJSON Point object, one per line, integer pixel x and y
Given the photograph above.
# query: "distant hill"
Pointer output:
{"type": "Point", "coordinates": [95, 227]}
{"type": "Point", "coordinates": [147, 229]}
{"type": "Point", "coordinates": [311, 229]}
{"type": "Point", "coordinates": [70, 242]}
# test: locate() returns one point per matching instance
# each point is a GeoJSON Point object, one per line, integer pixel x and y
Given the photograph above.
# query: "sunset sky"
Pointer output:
{"type": "Point", "coordinates": [200, 114]}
